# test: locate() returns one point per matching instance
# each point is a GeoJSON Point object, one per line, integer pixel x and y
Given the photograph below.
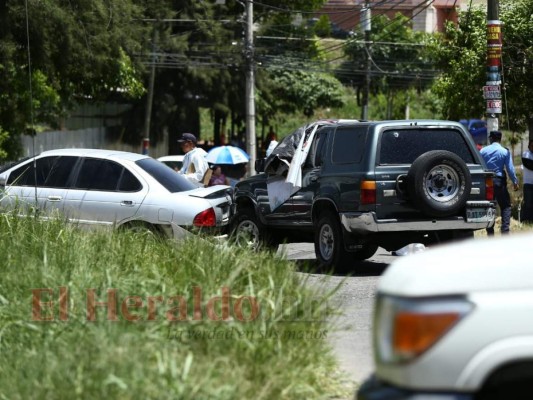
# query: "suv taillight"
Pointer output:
{"type": "Point", "coordinates": [368, 192]}
{"type": "Point", "coordinates": [205, 218]}
{"type": "Point", "coordinates": [489, 188]}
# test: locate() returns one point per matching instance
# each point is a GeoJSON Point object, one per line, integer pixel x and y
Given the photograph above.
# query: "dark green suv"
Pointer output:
{"type": "Point", "coordinates": [353, 186]}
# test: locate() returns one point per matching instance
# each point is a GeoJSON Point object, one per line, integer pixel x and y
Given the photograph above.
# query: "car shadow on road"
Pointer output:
{"type": "Point", "coordinates": [361, 268]}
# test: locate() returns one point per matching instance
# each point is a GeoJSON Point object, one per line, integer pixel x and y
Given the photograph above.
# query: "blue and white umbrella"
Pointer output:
{"type": "Point", "coordinates": [227, 155]}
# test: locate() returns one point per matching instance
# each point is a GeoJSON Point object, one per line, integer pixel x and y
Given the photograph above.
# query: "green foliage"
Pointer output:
{"type": "Point", "coordinates": [306, 91]}
{"type": "Point", "coordinates": [196, 358]}
{"type": "Point", "coordinates": [461, 54]}
{"type": "Point", "coordinates": [401, 67]}
{"type": "Point", "coordinates": [3, 136]}
{"type": "Point", "coordinates": [518, 62]}
{"type": "Point", "coordinates": [399, 58]}
{"type": "Point", "coordinates": [77, 50]}
{"type": "Point", "coordinates": [322, 28]}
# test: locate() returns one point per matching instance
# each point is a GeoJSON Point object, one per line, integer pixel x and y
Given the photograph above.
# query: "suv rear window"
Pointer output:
{"type": "Point", "coordinates": [403, 146]}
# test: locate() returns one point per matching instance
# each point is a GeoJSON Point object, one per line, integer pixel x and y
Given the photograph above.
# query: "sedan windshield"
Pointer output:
{"type": "Point", "coordinates": [170, 179]}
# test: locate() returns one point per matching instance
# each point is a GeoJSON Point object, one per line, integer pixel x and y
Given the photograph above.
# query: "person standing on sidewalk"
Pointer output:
{"type": "Point", "coordinates": [194, 163]}
{"type": "Point", "coordinates": [498, 160]}
{"type": "Point", "coordinates": [527, 168]}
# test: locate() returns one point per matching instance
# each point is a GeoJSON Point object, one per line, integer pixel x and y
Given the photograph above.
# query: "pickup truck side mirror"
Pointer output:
{"type": "Point", "coordinates": [260, 165]}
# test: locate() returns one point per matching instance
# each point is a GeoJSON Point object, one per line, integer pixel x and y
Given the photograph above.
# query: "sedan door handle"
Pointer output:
{"type": "Point", "coordinates": [127, 203]}
{"type": "Point", "coordinates": [54, 198]}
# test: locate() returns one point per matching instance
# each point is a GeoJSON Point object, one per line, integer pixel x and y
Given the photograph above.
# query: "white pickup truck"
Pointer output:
{"type": "Point", "coordinates": [456, 322]}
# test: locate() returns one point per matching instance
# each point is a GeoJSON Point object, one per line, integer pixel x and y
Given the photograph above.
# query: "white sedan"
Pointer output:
{"type": "Point", "coordinates": [174, 162]}
{"type": "Point", "coordinates": [113, 188]}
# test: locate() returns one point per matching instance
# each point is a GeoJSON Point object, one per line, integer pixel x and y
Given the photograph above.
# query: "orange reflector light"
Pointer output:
{"type": "Point", "coordinates": [414, 333]}
{"type": "Point", "coordinates": [368, 192]}
{"type": "Point", "coordinates": [489, 188]}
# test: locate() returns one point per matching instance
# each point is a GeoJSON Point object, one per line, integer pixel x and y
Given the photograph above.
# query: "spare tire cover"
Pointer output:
{"type": "Point", "coordinates": [439, 183]}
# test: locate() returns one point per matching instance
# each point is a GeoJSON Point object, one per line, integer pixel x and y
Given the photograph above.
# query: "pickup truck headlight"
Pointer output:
{"type": "Point", "coordinates": [404, 328]}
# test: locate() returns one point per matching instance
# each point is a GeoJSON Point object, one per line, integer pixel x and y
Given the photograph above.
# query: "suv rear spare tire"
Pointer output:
{"type": "Point", "coordinates": [439, 183]}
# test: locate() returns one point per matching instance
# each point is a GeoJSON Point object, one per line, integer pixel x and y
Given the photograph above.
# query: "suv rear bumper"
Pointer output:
{"type": "Point", "coordinates": [367, 222]}
{"type": "Point", "coordinates": [374, 389]}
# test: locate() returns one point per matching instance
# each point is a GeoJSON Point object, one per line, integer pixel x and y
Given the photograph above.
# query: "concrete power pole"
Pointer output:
{"type": "Point", "coordinates": [150, 95]}
{"type": "Point", "coordinates": [492, 90]}
{"type": "Point", "coordinates": [251, 147]}
{"type": "Point", "coordinates": [366, 24]}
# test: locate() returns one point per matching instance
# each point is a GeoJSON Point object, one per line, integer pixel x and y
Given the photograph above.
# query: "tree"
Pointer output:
{"type": "Point", "coordinates": [399, 60]}
{"type": "Point", "coordinates": [461, 53]}
{"type": "Point", "coordinates": [304, 91]}
{"type": "Point", "coordinates": [78, 50]}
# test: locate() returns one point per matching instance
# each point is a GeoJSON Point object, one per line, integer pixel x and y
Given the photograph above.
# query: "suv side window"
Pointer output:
{"type": "Point", "coordinates": [320, 152]}
{"type": "Point", "coordinates": [317, 151]}
{"type": "Point", "coordinates": [349, 144]}
{"type": "Point", "coordinates": [403, 146]}
{"type": "Point", "coordinates": [97, 174]}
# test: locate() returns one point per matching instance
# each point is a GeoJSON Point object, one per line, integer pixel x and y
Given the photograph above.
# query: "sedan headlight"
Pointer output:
{"type": "Point", "coordinates": [404, 328]}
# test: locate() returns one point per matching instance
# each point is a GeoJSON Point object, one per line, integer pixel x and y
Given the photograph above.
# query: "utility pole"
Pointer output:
{"type": "Point", "coordinates": [366, 24]}
{"type": "Point", "coordinates": [150, 96]}
{"type": "Point", "coordinates": [492, 90]}
{"type": "Point", "coordinates": [251, 147]}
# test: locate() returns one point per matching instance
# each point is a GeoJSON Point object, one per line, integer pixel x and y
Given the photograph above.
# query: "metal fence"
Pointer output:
{"type": "Point", "coordinates": [90, 138]}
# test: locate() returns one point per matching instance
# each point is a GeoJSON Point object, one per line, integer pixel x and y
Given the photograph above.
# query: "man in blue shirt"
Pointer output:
{"type": "Point", "coordinates": [499, 159]}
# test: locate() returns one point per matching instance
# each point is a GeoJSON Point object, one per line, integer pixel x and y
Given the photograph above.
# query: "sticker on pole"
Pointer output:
{"type": "Point", "coordinates": [494, 106]}
{"type": "Point", "coordinates": [492, 92]}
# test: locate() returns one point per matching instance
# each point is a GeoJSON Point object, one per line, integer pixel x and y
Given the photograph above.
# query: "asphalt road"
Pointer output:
{"type": "Point", "coordinates": [354, 298]}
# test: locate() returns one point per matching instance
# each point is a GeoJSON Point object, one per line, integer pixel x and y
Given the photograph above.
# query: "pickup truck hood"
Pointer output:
{"type": "Point", "coordinates": [479, 264]}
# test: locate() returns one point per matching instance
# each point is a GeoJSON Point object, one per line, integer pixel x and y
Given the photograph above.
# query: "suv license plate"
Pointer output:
{"type": "Point", "coordinates": [479, 214]}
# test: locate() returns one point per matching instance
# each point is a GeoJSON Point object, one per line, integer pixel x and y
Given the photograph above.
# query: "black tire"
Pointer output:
{"type": "Point", "coordinates": [249, 232]}
{"type": "Point", "coordinates": [329, 243]}
{"type": "Point", "coordinates": [365, 253]}
{"type": "Point", "coordinates": [439, 183]}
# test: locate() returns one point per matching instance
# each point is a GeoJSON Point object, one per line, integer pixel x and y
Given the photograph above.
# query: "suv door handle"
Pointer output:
{"type": "Point", "coordinates": [127, 203]}
{"type": "Point", "coordinates": [54, 198]}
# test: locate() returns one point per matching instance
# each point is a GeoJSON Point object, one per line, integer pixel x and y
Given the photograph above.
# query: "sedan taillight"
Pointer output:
{"type": "Point", "coordinates": [205, 218]}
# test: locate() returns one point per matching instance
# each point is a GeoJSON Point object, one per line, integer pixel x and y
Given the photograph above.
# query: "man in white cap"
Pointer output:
{"type": "Point", "coordinates": [194, 163]}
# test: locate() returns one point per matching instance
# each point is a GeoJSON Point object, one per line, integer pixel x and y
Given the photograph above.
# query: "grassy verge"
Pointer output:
{"type": "Point", "coordinates": [275, 350]}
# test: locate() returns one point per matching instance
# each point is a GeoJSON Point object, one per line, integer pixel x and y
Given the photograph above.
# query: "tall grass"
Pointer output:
{"type": "Point", "coordinates": [280, 354]}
